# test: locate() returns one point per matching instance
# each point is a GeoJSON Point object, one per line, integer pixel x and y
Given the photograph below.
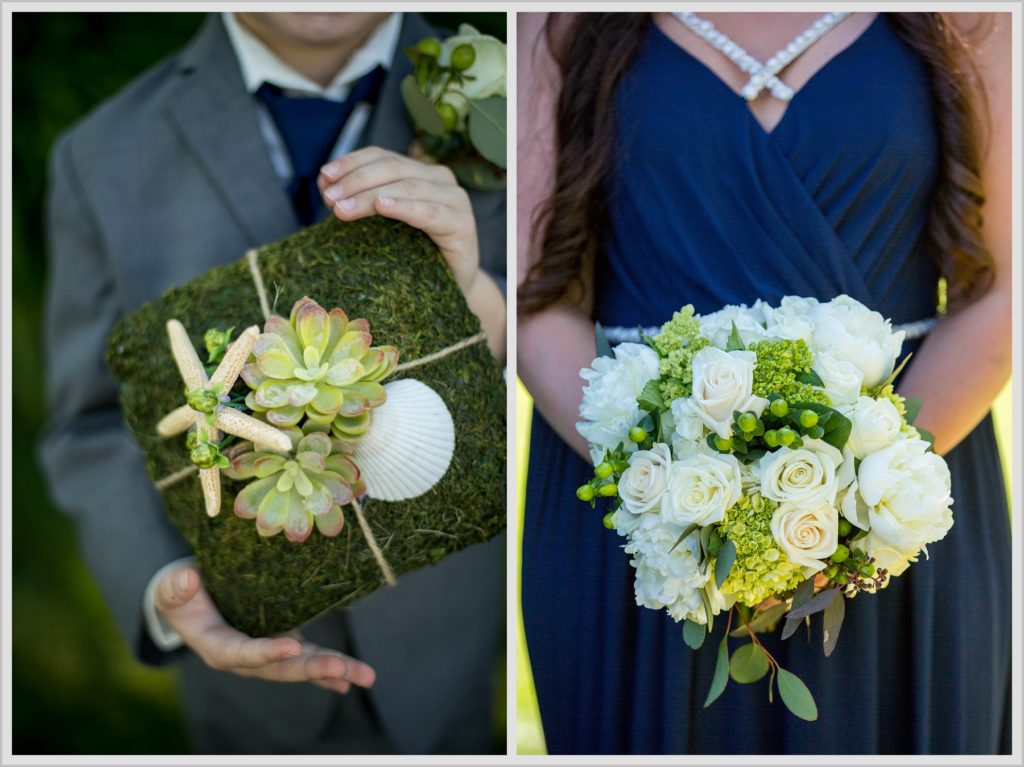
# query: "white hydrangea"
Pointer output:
{"type": "Point", "coordinates": [667, 579]}
{"type": "Point", "coordinates": [749, 321]}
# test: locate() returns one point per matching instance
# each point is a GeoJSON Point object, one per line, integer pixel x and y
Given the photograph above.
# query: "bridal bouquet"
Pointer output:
{"type": "Point", "coordinates": [760, 464]}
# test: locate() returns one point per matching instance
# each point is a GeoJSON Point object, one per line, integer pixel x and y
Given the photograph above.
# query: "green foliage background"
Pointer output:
{"type": "Point", "coordinates": [77, 689]}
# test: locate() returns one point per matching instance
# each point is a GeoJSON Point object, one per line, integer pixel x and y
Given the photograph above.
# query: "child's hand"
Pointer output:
{"type": "Point", "coordinates": [375, 181]}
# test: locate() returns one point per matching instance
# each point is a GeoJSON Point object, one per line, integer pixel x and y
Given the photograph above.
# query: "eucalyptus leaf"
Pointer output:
{"type": "Point", "coordinates": [926, 435]}
{"type": "Point", "coordinates": [748, 664]}
{"type": "Point", "coordinates": [721, 676]}
{"type": "Point", "coordinates": [763, 620]}
{"type": "Point", "coordinates": [724, 561]}
{"type": "Point", "coordinates": [604, 348]}
{"type": "Point", "coordinates": [487, 131]}
{"type": "Point", "coordinates": [705, 540]}
{"type": "Point", "coordinates": [694, 634]}
{"type": "Point", "coordinates": [833, 623]}
{"type": "Point", "coordinates": [423, 113]}
{"type": "Point", "coordinates": [796, 696]}
{"type": "Point", "coordinates": [803, 594]}
{"type": "Point", "coordinates": [687, 531]}
{"type": "Point", "coordinates": [815, 605]}
{"type": "Point", "coordinates": [709, 613]}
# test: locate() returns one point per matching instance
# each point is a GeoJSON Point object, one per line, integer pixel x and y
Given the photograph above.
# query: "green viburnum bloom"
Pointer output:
{"type": "Point", "coordinates": [320, 366]}
{"type": "Point", "coordinates": [677, 343]}
{"type": "Point", "coordinates": [295, 492]}
{"type": "Point", "coordinates": [778, 363]}
{"type": "Point", "coordinates": [762, 569]}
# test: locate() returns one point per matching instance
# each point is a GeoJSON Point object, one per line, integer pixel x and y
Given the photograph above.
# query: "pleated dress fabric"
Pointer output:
{"type": "Point", "coordinates": [708, 208]}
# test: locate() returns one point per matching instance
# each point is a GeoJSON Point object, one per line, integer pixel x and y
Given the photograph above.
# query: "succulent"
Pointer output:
{"type": "Point", "coordinates": [294, 492]}
{"type": "Point", "coordinates": [318, 365]}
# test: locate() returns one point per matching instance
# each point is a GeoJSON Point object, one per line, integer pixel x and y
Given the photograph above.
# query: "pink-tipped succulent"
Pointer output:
{"type": "Point", "coordinates": [320, 366]}
{"type": "Point", "coordinates": [295, 492]}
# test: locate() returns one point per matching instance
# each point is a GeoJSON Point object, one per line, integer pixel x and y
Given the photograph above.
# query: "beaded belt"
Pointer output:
{"type": "Point", "coordinates": [617, 334]}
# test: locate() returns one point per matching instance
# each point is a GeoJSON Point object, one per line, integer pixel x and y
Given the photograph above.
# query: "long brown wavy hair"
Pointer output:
{"type": "Point", "coordinates": [593, 50]}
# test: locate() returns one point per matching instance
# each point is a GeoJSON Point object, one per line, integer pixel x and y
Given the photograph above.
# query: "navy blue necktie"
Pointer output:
{"type": "Point", "coordinates": [310, 128]}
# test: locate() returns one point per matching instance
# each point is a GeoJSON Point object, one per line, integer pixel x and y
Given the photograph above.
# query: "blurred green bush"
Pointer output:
{"type": "Point", "coordinates": [77, 689]}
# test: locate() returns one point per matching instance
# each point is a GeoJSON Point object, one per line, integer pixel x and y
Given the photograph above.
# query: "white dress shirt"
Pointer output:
{"type": "Point", "coordinates": [259, 65]}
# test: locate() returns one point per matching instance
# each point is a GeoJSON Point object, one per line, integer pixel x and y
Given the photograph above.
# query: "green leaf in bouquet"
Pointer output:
{"type": "Point", "coordinates": [762, 620]}
{"type": "Point", "coordinates": [811, 378]}
{"type": "Point", "coordinates": [423, 113]}
{"type": "Point", "coordinates": [650, 398]}
{"type": "Point", "coordinates": [748, 664]}
{"type": "Point", "coordinates": [892, 377]}
{"type": "Point", "coordinates": [666, 426]}
{"type": "Point", "coordinates": [796, 696]}
{"type": "Point", "coordinates": [694, 634]}
{"type": "Point", "coordinates": [487, 128]}
{"type": "Point", "coordinates": [803, 593]}
{"type": "Point", "coordinates": [604, 347]}
{"type": "Point", "coordinates": [476, 174]}
{"type": "Point", "coordinates": [815, 604]}
{"type": "Point", "coordinates": [705, 541]}
{"type": "Point", "coordinates": [724, 561]}
{"type": "Point", "coordinates": [735, 343]}
{"type": "Point", "coordinates": [926, 435]}
{"type": "Point", "coordinates": [721, 675]}
{"type": "Point", "coordinates": [837, 426]}
{"type": "Point", "coordinates": [913, 408]}
{"type": "Point", "coordinates": [687, 532]}
{"type": "Point", "coordinates": [833, 623]}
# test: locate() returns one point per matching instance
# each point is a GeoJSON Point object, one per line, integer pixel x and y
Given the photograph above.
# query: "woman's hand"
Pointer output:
{"type": "Point", "coordinates": [188, 609]}
{"type": "Point", "coordinates": [375, 181]}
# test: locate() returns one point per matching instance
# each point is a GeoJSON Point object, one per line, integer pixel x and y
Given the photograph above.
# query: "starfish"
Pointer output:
{"type": "Point", "coordinates": [220, 417]}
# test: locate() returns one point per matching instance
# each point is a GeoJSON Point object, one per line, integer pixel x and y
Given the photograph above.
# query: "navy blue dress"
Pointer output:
{"type": "Point", "coordinates": [707, 208]}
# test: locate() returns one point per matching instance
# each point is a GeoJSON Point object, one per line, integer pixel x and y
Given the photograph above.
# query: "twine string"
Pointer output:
{"type": "Point", "coordinates": [252, 256]}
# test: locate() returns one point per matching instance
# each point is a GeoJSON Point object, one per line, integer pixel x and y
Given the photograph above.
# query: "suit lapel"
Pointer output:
{"type": "Point", "coordinates": [217, 121]}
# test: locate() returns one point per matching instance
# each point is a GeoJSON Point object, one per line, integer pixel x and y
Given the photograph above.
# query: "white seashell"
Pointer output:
{"type": "Point", "coordinates": [409, 444]}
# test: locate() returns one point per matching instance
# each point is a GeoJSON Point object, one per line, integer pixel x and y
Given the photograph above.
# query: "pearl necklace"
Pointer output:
{"type": "Point", "coordinates": [761, 75]}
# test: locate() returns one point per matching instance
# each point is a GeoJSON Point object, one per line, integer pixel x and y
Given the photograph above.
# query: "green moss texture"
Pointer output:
{"type": "Point", "coordinates": [393, 276]}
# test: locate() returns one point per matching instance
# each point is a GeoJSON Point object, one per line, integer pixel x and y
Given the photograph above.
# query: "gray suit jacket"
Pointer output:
{"type": "Point", "coordinates": [160, 183]}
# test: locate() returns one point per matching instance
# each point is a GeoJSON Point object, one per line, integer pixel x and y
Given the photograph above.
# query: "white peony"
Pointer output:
{"type": "Point", "coordinates": [807, 533]}
{"type": "Point", "coordinates": [609, 406]}
{"type": "Point", "coordinates": [667, 579]}
{"type": "Point", "coordinates": [717, 326]}
{"type": "Point", "coordinates": [841, 378]}
{"type": "Point", "coordinates": [642, 485]}
{"type": "Point", "coordinates": [701, 489]}
{"type": "Point", "coordinates": [723, 382]}
{"type": "Point", "coordinates": [888, 558]}
{"type": "Point", "coordinates": [688, 437]}
{"type": "Point", "coordinates": [488, 75]}
{"type": "Point", "coordinates": [906, 491]}
{"type": "Point", "coordinates": [807, 475]}
{"type": "Point", "coordinates": [791, 320]}
{"type": "Point", "coordinates": [876, 425]}
{"type": "Point", "coordinates": [849, 329]}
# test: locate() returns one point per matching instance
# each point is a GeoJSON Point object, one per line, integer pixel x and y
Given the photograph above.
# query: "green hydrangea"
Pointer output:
{"type": "Point", "coordinates": [889, 393]}
{"type": "Point", "coordinates": [762, 569]}
{"type": "Point", "coordinates": [677, 343]}
{"type": "Point", "coordinates": [778, 363]}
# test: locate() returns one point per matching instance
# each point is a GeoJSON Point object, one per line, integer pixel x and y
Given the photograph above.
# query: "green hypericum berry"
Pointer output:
{"type": "Point", "coordinates": [463, 57]}
{"type": "Point", "coordinates": [637, 434]}
{"type": "Point", "coordinates": [771, 438]}
{"type": "Point", "coordinates": [608, 490]}
{"type": "Point", "coordinates": [816, 432]}
{"type": "Point", "coordinates": [203, 400]}
{"type": "Point", "coordinates": [867, 569]}
{"type": "Point", "coordinates": [845, 528]}
{"type": "Point", "coordinates": [831, 571]}
{"type": "Point", "coordinates": [204, 455]}
{"type": "Point", "coordinates": [786, 435]}
{"type": "Point", "coordinates": [779, 408]}
{"type": "Point", "coordinates": [607, 520]}
{"type": "Point", "coordinates": [585, 493]}
{"type": "Point", "coordinates": [449, 117]}
{"type": "Point", "coordinates": [603, 470]}
{"type": "Point", "coordinates": [841, 579]}
{"type": "Point", "coordinates": [808, 418]}
{"type": "Point", "coordinates": [840, 554]}
{"type": "Point", "coordinates": [723, 444]}
{"type": "Point", "coordinates": [747, 421]}
{"type": "Point", "coordinates": [429, 46]}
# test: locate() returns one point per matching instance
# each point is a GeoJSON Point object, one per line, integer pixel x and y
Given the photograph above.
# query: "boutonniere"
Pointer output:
{"type": "Point", "coordinates": [456, 97]}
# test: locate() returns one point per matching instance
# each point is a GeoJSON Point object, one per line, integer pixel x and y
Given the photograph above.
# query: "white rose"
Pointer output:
{"type": "Point", "coordinates": [841, 378]}
{"type": "Point", "coordinates": [701, 489]}
{"type": "Point", "coordinates": [643, 483]}
{"type": "Point", "coordinates": [846, 327]}
{"type": "Point", "coordinates": [487, 76]}
{"type": "Point", "coordinates": [807, 475]}
{"type": "Point", "coordinates": [609, 408]}
{"type": "Point", "coordinates": [876, 425]}
{"type": "Point", "coordinates": [723, 382]}
{"type": "Point", "coordinates": [791, 320]}
{"type": "Point", "coordinates": [667, 577]}
{"type": "Point", "coordinates": [717, 326]}
{"type": "Point", "coordinates": [808, 534]}
{"type": "Point", "coordinates": [906, 489]}
{"type": "Point", "coordinates": [688, 437]}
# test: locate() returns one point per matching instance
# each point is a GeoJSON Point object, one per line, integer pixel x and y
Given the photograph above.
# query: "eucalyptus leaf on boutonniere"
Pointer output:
{"type": "Point", "coordinates": [456, 98]}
